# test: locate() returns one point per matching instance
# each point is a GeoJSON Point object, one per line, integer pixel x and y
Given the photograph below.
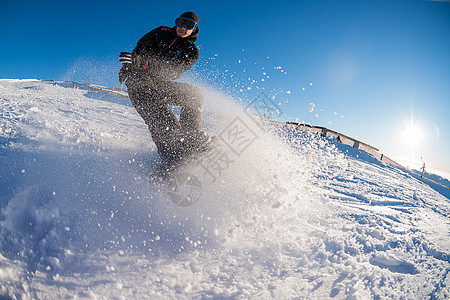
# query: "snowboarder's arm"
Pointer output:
{"type": "Point", "coordinates": [147, 58]}
{"type": "Point", "coordinates": [146, 49]}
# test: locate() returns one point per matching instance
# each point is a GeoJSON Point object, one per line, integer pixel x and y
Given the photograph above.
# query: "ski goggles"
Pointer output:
{"type": "Point", "coordinates": [186, 23]}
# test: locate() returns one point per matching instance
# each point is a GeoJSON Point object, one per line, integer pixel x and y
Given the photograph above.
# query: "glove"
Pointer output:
{"type": "Point", "coordinates": [126, 60]}
{"type": "Point", "coordinates": [123, 74]}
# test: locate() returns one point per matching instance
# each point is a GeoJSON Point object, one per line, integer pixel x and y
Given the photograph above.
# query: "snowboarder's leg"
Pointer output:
{"type": "Point", "coordinates": [190, 98]}
{"type": "Point", "coordinates": [161, 121]}
{"type": "Point", "coordinates": [172, 137]}
{"type": "Point", "coordinates": [152, 106]}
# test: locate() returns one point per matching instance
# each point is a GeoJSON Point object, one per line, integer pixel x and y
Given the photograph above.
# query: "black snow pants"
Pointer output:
{"type": "Point", "coordinates": [152, 98]}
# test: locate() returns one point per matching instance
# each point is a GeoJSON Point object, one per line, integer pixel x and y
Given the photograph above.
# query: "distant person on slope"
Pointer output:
{"type": "Point", "coordinates": [161, 56]}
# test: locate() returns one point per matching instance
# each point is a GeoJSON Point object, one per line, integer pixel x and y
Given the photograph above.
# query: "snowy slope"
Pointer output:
{"type": "Point", "coordinates": [287, 215]}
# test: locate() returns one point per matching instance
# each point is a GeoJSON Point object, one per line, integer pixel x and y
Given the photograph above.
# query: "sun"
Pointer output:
{"type": "Point", "coordinates": [412, 134]}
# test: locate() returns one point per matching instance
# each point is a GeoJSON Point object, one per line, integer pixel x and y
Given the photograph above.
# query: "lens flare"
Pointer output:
{"type": "Point", "coordinates": [412, 134]}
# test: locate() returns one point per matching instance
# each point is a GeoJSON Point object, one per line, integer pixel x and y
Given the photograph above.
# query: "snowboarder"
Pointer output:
{"type": "Point", "coordinates": [160, 57]}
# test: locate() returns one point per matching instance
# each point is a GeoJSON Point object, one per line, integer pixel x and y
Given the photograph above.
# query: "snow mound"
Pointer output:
{"type": "Point", "coordinates": [277, 213]}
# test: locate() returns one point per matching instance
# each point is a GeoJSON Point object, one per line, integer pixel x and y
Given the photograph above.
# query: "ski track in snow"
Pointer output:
{"type": "Point", "coordinates": [292, 216]}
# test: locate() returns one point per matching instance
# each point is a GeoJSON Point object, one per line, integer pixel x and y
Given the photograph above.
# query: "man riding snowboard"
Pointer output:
{"type": "Point", "coordinates": [161, 56]}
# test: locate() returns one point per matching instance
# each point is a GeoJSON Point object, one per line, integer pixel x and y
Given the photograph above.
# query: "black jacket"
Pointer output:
{"type": "Point", "coordinates": [162, 55]}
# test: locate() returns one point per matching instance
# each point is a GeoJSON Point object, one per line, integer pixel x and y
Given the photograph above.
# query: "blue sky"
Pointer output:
{"type": "Point", "coordinates": [372, 69]}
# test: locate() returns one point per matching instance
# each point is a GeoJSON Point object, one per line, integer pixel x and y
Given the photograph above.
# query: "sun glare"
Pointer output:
{"type": "Point", "coordinates": [412, 134]}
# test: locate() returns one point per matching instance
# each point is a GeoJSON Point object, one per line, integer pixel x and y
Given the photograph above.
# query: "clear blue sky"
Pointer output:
{"type": "Point", "coordinates": [374, 65]}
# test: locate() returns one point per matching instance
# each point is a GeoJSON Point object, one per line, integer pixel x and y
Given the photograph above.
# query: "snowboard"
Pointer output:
{"type": "Point", "coordinates": [176, 178]}
{"type": "Point", "coordinates": [181, 177]}
{"type": "Point", "coordinates": [172, 167]}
